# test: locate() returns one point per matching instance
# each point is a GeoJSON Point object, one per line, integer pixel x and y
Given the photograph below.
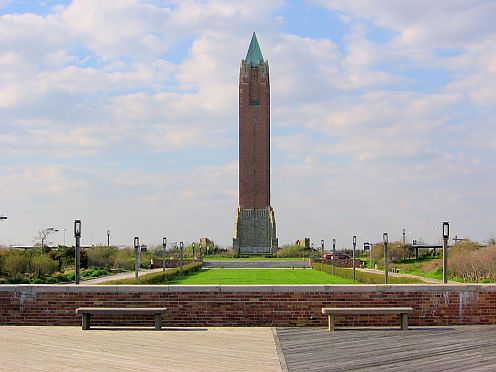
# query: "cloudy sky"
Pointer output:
{"type": "Point", "coordinates": [124, 114]}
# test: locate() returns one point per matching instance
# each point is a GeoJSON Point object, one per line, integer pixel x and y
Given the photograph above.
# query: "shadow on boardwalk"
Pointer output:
{"type": "Point", "coordinates": [466, 348]}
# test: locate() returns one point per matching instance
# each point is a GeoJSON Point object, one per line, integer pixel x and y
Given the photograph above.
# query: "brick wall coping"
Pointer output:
{"type": "Point", "coordinates": [49, 288]}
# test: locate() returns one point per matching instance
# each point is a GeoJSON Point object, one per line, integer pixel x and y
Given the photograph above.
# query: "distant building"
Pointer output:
{"type": "Point", "coordinates": [255, 225]}
{"type": "Point", "coordinates": [206, 242]}
{"type": "Point", "coordinates": [305, 243]}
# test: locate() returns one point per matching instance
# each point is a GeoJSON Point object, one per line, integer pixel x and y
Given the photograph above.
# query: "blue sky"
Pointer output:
{"type": "Point", "coordinates": [124, 114]}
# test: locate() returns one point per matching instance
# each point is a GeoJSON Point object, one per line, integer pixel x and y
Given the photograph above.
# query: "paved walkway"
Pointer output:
{"type": "Point", "coordinates": [125, 275]}
{"type": "Point", "coordinates": [427, 280]}
{"type": "Point", "coordinates": [258, 264]}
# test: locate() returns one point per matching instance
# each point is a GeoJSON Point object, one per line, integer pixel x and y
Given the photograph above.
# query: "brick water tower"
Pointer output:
{"type": "Point", "coordinates": [254, 225]}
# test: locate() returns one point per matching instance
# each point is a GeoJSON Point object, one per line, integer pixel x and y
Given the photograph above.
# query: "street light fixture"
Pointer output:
{"type": "Point", "coordinates": [333, 256]}
{"type": "Point", "coordinates": [404, 237]}
{"type": "Point", "coordinates": [200, 252]}
{"type": "Point", "coordinates": [136, 256]}
{"type": "Point", "coordinates": [164, 245]}
{"type": "Point", "coordinates": [77, 235]}
{"type": "Point", "coordinates": [354, 249]}
{"type": "Point", "coordinates": [3, 217]}
{"type": "Point", "coordinates": [385, 240]}
{"type": "Point", "coordinates": [368, 247]}
{"type": "Point", "coordinates": [445, 251]}
{"type": "Point", "coordinates": [193, 251]}
{"type": "Point", "coordinates": [181, 247]}
{"type": "Point", "coordinates": [108, 238]}
{"type": "Point", "coordinates": [322, 255]}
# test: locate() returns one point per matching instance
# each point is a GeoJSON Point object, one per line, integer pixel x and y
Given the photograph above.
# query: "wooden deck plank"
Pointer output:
{"type": "Point", "coordinates": [136, 349]}
{"type": "Point", "coordinates": [439, 348]}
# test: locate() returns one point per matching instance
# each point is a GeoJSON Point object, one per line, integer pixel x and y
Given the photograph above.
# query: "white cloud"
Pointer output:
{"type": "Point", "coordinates": [100, 119]}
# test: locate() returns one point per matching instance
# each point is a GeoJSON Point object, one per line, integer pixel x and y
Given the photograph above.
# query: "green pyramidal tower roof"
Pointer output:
{"type": "Point", "coordinates": [254, 55]}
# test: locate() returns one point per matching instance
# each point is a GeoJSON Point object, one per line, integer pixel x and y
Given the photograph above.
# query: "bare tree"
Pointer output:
{"type": "Point", "coordinates": [43, 234]}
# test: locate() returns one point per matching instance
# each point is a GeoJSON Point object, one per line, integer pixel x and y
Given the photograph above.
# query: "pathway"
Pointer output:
{"type": "Point", "coordinates": [259, 264]}
{"type": "Point", "coordinates": [124, 275]}
{"type": "Point", "coordinates": [427, 280]}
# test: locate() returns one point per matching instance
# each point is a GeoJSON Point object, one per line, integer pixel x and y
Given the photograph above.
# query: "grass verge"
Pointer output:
{"type": "Point", "coordinates": [163, 277]}
{"type": "Point", "coordinates": [259, 276]}
{"type": "Point", "coordinates": [364, 277]}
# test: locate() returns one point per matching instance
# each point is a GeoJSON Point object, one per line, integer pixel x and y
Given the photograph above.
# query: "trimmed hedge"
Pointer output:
{"type": "Point", "coordinates": [159, 278]}
{"type": "Point", "coordinates": [365, 277]}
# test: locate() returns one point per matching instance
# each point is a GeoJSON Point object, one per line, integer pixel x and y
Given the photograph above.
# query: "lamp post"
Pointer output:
{"type": "Point", "coordinates": [108, 238]}
{"type": "Point", "coordinates": [333, 256]}
{"type": "Point", "coordinates": [354, 249]}
{"type": "Point", "coordinates": [322, 256]}
{"type": "Point", "coordinates": [164, 245]}
{"type": "Point", "coordinates": [77, 235]}
{"type": "Point", "coordinates": [200, 252]}
{"type": "Point", "coordinates": [136, 256]}
{"type": "Point", "coordinates": [181, 247]}
{"type": "Point", "coordinates": [385, 240]}
{"type": "Point", "coordinates": [193, 251]}
{"type": "Point", "coordinates": [368, 247]}
{"type": "Point", "coordinates": [445, 251]}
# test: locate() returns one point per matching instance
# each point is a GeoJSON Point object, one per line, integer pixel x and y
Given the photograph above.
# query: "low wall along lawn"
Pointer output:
{"type": "Point", "coordinates": [252, 305]}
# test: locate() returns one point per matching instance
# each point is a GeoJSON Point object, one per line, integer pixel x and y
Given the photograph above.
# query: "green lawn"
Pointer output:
{"type": "Point", "coordinates": [260, 276]}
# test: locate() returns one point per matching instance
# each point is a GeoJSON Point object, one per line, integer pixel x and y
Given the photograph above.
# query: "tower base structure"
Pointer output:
{"type": "Point", "coordinates": [255, 232]}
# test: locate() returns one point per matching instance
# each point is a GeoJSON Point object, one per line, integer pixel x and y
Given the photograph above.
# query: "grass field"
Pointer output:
{"type": "Point", "coordinates": [260, 276]}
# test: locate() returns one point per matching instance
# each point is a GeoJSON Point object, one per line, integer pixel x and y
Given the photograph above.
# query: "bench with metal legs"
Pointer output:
{"type": "Point", "coordinates": [331, 313]}
{"type": "Point", "coordinates": [86, 313]}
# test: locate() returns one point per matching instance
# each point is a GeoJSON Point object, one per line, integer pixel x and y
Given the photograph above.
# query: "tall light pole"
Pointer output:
{"type": "Point", "coordinates": [77, 235]}
{"type": "Point", "coordinates": [386, 264]}
{"type": "Point", "coordinates": [164, 246]}
{"type": "Point", "coordinates": [333, 256]}
{"type": "Point", "coordinates": [368, 247]}
{"type": "Point", "coordinates": [136, 256]}
{"type": "Point", "coordinates": [354, 249]}
{"type": "Point", "coordinates": [322, 255]}
{"type": "Point", "coordinates": [193, 251]}
{"type": "Point", "coordinates": [404, 237]}
{"type": "Point", "coordinates": [181, 248]}
{"type": "Point", "coordinates": [445, 251]}
{"type": "Point", "coordinates": [108, 238]}
{"type": "Point", "coordinates": [200, 252]}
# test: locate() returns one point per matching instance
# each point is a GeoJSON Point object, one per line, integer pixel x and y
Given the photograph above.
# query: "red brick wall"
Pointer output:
{"type": "Point", "coordinates": [249, 305]}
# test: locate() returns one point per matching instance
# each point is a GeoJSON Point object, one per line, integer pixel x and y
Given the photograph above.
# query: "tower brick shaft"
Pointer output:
{"type": "Point", "coordinates": [255, 231]}
{"type": "Point", "coordinates": [254, 136]}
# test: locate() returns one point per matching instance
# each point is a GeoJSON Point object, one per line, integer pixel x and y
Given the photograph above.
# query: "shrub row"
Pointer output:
{"type": "Point", "coordinates": [365, 277]}
{"type": "Point", "coordinates": [472, 263]}
{"type": "Point", "coordinates": [161, 277]}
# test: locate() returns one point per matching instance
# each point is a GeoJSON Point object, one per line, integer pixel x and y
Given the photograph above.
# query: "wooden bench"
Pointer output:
{"type": "Point", "coordinates": [331, 312]}
{"type": "Point", "coordinates": [395, 270]}
{"type": "Point", "coordinates": [86, 312]}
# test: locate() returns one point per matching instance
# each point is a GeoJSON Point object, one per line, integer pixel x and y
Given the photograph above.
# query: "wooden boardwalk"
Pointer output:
{"type": "Point", "coordinates": [467, 348]}
{"type": "Point", "coordinates": [133, 349]}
